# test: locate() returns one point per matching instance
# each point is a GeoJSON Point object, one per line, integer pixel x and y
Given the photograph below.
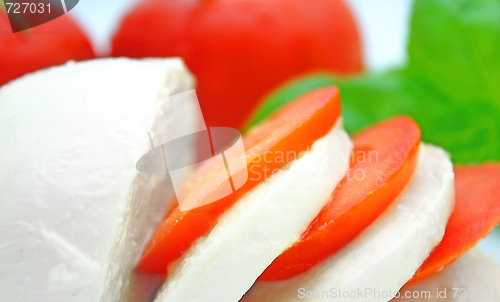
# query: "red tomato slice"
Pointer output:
{"type": "Point", "coordinates": [477, 212]}
{"type": "Point", "coordinates": [359, 199]}
{"type": "Point", "coordinates": [293, 129]}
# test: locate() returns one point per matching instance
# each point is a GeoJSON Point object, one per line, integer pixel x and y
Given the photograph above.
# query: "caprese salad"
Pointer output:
{"type": "Point", "coordinates": [321, 212]}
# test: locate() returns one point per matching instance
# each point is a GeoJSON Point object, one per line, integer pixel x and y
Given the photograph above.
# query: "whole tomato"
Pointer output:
{"type": "Point", "coordinates": [49, 44]}
{"type": "Point", "coordinates": [240, 49]}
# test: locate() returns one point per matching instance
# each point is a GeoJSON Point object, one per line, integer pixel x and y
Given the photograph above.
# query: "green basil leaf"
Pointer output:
{"type": "Point", "coordinates": [451, 85]}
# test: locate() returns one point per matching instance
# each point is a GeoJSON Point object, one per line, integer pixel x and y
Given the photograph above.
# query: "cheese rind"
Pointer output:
{"type": "Point", "coordinates": [74, 212]}
{"type": "Point", "coordinates": [388, 252]}
{"type": "Point", "coordinates": [262, 224]}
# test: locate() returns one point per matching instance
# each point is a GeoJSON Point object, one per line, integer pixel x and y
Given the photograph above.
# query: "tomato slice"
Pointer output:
{"type": "Point", "coordinates": [293, 129]}
{"type": "Point", "coordinates": [384, 159]}
{"type": "Point", "coordinates": [477, 212]}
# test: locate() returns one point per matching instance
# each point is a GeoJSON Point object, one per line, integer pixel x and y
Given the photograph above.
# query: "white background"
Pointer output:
{"type": "Point", "coordinates": [383, 25]}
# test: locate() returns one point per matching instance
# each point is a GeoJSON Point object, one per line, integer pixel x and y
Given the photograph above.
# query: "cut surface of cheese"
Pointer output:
{"type": "Point", "coordinates": [474, 277]}
{"type": "Point", "coordinates": [74, 212]}
{"type": "Point", "coordinates": [223, 265]}
{"type": "Point", "coordinates": [388, 252]}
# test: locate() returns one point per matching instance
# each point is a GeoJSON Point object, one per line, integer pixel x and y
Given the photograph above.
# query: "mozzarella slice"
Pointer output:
{"type": "Point", "coordinates": [387, 253]}
{"type": "Point", "coordinates": [473, 277]}
{"type": "Point", "coordinates": [261, 225]}
{"type": "Point", "coordinates": [74, 212]}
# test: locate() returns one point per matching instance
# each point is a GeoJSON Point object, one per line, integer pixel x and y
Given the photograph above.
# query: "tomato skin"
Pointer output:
{"type": "Point", "coordinates": [239, 50]}
{"type": "Point", "coordinates": [477, 212]}
{"type": "Point", "coordinates": [49, 44]}
{"type": "Point", "coordinates": [357, 201]}
{"type": "Point", "coordinates": [295, 128]}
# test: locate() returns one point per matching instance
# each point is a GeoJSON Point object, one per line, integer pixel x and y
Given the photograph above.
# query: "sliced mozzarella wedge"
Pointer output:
{"type": "Point", "coordinates": [387, 254]}
{"type": "Point", "coordinates": [474, 277]}
{"type": "Point", "coordinates": [261, 225]}
{"type": "Point", "coordinates": [74, 212]}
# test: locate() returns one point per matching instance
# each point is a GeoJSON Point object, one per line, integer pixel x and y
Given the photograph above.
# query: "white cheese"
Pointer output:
{"type": "Point", "coordinates": [387, 253]}
{"type": "Point", "coordinates": [74, 212]}
{"type": "Point", "coordinates": [262, 224]}
{"type": "Point", "coordinates": [473, 277]}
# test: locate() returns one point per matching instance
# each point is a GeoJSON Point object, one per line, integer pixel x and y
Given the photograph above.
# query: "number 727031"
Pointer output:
{"type": "Point", "coordinates": [474, 292]}
{"type": "Point", "coordinates": [18, 8]}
